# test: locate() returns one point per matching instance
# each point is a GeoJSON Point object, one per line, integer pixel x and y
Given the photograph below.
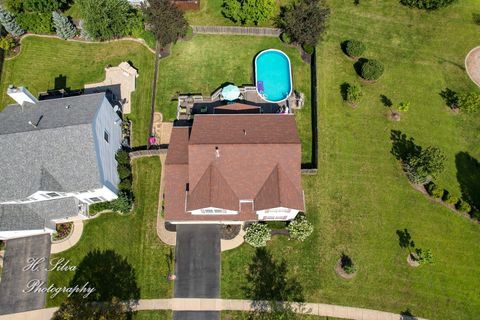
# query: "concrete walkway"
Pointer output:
{"type": "Point", "coordinates": [186, 304]}
{"type": "Point", "coordinates": [71, 240]}
{"type": "Point", "coordinates": [472, 65]}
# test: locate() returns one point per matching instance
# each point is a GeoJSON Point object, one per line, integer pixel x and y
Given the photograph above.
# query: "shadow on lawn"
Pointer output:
{"type": "Point", "coordinates": [114, 281]}
{"type": "Point", "coordinates": [468, 176]}
{"type": "Point", "coordinates": [402, 146]}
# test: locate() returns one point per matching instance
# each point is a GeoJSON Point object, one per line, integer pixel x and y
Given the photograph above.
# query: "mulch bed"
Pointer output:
{"type": "Point", "coordinates": [64, 230]}
{"type": "Point", "coordinates": [339, 270]}
{"type": "Point", "coordinates": [230, 231]}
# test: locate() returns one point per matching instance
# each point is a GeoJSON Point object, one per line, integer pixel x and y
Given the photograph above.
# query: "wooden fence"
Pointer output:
{"type": "Point", "coordinates": [147, 153]}
{"type": "Point", "coordinates": [247, 31]}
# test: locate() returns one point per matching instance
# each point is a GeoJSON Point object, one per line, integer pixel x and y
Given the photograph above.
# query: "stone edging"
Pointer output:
{"type": "Point", "coordinates": [138, 40]}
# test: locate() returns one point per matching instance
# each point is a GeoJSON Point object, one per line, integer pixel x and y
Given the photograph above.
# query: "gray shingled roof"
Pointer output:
{"type": "Point", "coordinates": [36, 215]}
{"type": "Point", "coordinates": [58, 155]}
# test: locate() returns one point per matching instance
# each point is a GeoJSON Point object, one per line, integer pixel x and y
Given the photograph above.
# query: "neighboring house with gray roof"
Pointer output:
{"type": "Point", "coordinates": [57, 157]}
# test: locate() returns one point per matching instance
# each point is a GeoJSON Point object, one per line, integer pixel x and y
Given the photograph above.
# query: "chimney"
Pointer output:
{"type": "Point", "coordinates": [21, 95]}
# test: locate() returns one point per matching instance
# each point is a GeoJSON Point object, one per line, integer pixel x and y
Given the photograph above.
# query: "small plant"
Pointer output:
{"type": "Point", "coordinates": [449, 198]}
{"type": "Point", "coordinates": [353, 94]}
{"type": "Point", "coordinates": [122, 157]}
{"type": "Point", "coordinates": [347, 264]}
{"type": "Point", "coordinates": [354, 48]}
{"type": "Point", "coordinates": [423, 256]}
{"type": "Point", "coordinates": [463, 206]}
{"type": "Point", "coordinates": [122, 204]}
{"type": "Point", "coordinates": [285, 38]}
{"type": "Point", "coordinates": [372, 70]}
{"type": "Point", "coordinates": [309, 49]}
{"type": "Point", "coordinates": [435, 191]}
{"type": "Point", "coordinates": [124, 172]}
{"type": "Point", "coordinates": [468, 102]}
{"type": "Point", "coordinates": [403, 106]}
{"type": "Point", "coordinates": [257, 234]}
{"type": "Point", "coordinates": [125, 185]}
{"type": "Point", "coordinates": [476, 18]}
{"type": "Point", "coordinates": [300, 228]}
{"type": "Point", "coordinates": [7, 43]}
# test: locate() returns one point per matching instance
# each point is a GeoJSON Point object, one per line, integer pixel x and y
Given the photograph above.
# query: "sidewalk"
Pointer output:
{"type": "Point", "coordinates": [182, 304]}
{"type": "Point", "coordinates": [71, 240]}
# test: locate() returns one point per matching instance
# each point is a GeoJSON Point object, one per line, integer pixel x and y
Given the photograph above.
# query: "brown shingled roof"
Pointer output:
{"type": "Point", "coordinates": [237, 108]}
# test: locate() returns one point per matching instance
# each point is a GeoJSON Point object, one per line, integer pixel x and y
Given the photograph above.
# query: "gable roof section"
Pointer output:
{"type": "Point", "coordinates": [58, 155]}
{"type": "Point", "coordinates": [36, 215]}
{"type": "Point", "coordinates": [244, 129]}
{"type": "Point", "coordinates": [278, 191]}
{"type": "Point", "coordinates": [178, 146]}
{"type": "Point", "coordinates": [212, 191]}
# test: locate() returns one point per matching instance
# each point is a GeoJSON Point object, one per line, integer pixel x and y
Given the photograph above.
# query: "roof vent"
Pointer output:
{"type": "Point", "coordinates": [67, 106]}
{"type": "Point", "coordinates": [33, 125]}
{"type": "Point", "coordinates": [244, 132]}
{"type": "Point", "coordinates": [217, 152]}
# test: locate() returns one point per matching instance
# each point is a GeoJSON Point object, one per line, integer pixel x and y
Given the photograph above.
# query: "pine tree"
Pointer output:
{"type": "Point", "coordinates": [65, 29]}
{"type": "Point", "coordinates": [10, 24]}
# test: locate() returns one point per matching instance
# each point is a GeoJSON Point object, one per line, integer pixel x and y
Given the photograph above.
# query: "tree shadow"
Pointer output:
{"type": "Point", "coordinates": [114, 281]}
{"type": "Point", "coordinates": [405, 239]}
{"type": "Point", "coordinates": [468, 176]}
{"type": "Point", "coordinates": [387, 102]}
{"type": "Point", "coordinates": [407, 315]}
{"type": "Point", "coordinates": [449, 96]}
{"type": "Point", "coordinates": [358, 65]}
{"type": "Point", "coordinates": [343, 90]}
{"type": "Point", "coordinates": [402, 146]}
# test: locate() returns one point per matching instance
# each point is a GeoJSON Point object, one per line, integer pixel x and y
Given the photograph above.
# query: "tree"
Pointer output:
{"type": "Point", "coordinates": [105, 19]}
{"type": "Point", "coordinates": [10, 24]}
{"type": "Point", "coordinates": [304, 21]}
{"type": "Point", "coordinates": [421, 167]}
{"type": "Point", "coordinates": [65, 29]}
{"type": "Point", "coordinates": [122, 204]}
{"type": "Point", "coordinates": [469, 102]}
{"type": "Point", "coordinates": [257, 234]}
{"type": "Point", "coordinates": [372, 70]}
{"type": "Point", "coordinates": [300, 228]}
{"type": "Point", "coordinates": [248, 11]}
{"type": "Point", "coordinates": [165, 20]}
{"type": "Point", "coordinates": [353, 94]}
{"type": "Point", "coordinates": [403, 106]}
{"type": "Point", "coordinates": [7, 43]}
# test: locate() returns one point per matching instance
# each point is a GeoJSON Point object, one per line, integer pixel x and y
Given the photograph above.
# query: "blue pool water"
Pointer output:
{"type": "Point", "coordinates": [272, 75]}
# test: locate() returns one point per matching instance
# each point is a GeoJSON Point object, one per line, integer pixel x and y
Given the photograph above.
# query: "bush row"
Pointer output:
{"type": "Point", "coordinates": [442, 194]}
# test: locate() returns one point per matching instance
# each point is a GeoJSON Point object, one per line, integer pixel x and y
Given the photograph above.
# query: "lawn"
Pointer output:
{"type": "Point", "coordinates": [153, 315]}
{"type": "Point", "coordinates": [360, 197]}
{"type": "Point", "coordinates": [134, 237]}
{"type": "Point", "coordinates": [43, 60]}
{"type": "Point", "coordinates": [204, 63]}
{"type": "Point", "coordinates": [210, 13]}
{"type": "Point", "coordinates": [238, 315]}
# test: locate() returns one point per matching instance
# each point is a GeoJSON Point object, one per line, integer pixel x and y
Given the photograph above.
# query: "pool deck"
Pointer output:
{"type": "Point", "coordinates": [189, 105]}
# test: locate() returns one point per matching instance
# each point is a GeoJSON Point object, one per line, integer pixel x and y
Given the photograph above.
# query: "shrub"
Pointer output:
{"type": "Point", "coordinates": [435, 191]}
{"type": "Point", "coordinates": [2, 245]}
{"type": "Point", "coordinates": [354, 93]}
{"type": "Point", "coordinates": [426, 4]}
{"type": "Point", "coordinates": [424, 256]}
{"type": "Point", "coordinates": [122, 157]}
{"type": "Point", "coordinates": [403, 106]}
{"type": "Point", "coordinates": [124, 172]}
{"type": "Point", "coordinates": [372, 70]}
{"type": "Point", "coordinates": [35, 22]}
{"type": "Point", "coordinates": [448, 198]}
{"type": "Point", "coordinates": [189, 33]}
{"type": "Point", "coordinates": [44, 6]}
{"type": "Point", "coordinates": [354, 48]}
{"type": "Point", "coordinates": [463, 206]}
{"type": "Point", "coordinates": [122, 204]}
{"type": "Point", "coordinates": [64, 28]}
{"type": "Point", "coordinates": [300, 228]}
{"type": "Point", "coordinates": [309, 49]}
{"type": "Point", "coordinates": [347, 264]}
{"type": "Point", "coordinates": [10, 24]}
{"type": "Point", "coordinates": [125, 185]}
{"type": "Point", "coordinates": [423, 165]}
{"type": "Point", "coordinates": [475, 214]}
{"type": "Point", "coordinates": [248, 11]}
{"type": "Point", "coordinates": [7, 43]}
{"type": "Point", "coordinates": [476, 18]}
{"type": "Point", "coordinates": [469, 102]}
{"type": "Point", "coordinates": [285, 38]}
{"type": "Point", "coordinates": [257, 234]}
{"type": "Point", "coordinates": [98, 207]}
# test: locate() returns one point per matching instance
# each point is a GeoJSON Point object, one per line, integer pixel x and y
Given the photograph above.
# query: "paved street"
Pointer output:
{"type": "Point", "coordinates": [15, 278]}
{"type": "Point", "coordinates": [197, 267]}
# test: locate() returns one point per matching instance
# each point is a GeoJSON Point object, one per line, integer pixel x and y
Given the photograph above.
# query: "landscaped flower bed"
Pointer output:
{"type": "Point", "coordinates": [63, 231]}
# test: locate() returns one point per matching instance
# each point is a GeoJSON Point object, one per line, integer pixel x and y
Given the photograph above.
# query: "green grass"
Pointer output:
{"type": "Point", "coordinates": [360, 196]}
{"type": "Point", "coordinates": [210, 13]}
{"type": "Point", "coordinates": [133, 236]}
{"type": "Point", "coordinates": [204, 63]}
{"type": "Point", "coordinates": [153, 315]}
{"type": "Point", "coordinates": [238, 315]}
{"type": "Point", "coordinates": [42, 60]}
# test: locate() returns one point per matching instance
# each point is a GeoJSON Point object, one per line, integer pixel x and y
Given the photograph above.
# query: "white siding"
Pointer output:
{"type": "Point", "coordinates": [281, 214]}
{"type": "Point", "coordinates": [107, 120]}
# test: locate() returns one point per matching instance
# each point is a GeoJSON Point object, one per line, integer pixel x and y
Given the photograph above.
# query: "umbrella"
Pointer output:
{"type": "Point", "coordinates": [230, 92]}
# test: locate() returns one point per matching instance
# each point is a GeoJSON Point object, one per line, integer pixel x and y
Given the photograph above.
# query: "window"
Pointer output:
{"type": "Point", "coordinates": [95, 199]}
{"type": "Point", "coordinates": [106, 136]}
{"type": "Point", "coordinates": [278, 210]}
{"type": "Point", "coordinates": [52, 195]}
{"type": "Point", "coordinates": [214, 211]}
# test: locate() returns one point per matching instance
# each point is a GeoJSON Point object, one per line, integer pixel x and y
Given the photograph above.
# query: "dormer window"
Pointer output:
{"type": "Point", "coordinates": [106, 136]}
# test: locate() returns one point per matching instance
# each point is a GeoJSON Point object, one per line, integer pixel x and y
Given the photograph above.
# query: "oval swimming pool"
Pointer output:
{"type": "Point", "coordinates": [273, 76]}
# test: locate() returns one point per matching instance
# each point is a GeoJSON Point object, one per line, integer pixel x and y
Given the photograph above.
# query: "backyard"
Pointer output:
{"type": "Point", "coordinates": [133, 237]}
{"type": "Point", "coordinates": [46, 64]}
{"type": "Point", "coordinates": [361, 197]}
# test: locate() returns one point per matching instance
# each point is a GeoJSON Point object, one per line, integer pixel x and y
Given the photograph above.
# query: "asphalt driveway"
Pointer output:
{"type": "Point", "coordinates": [17, 275]}
{"type": "Point", "coordinates": [197, 267]}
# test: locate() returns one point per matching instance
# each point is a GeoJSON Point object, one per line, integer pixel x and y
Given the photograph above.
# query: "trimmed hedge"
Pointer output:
{"type": "Point", "coordinates": [463, 206]}
{"type": "Point", "coordinates": [372, 70]}
{"type": "Point", "coordinates": [450, 199]}
{"type": "Point", "coordinates": [435, 191]}
{"type": "Point", "coordinates": [354, 48]}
